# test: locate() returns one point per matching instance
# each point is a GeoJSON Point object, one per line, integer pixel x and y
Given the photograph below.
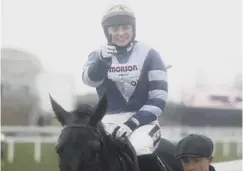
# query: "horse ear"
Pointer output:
{"type": "Point", "coordinates": [61, 114]}
{"type": "Point", "coordinates": [99, 112]}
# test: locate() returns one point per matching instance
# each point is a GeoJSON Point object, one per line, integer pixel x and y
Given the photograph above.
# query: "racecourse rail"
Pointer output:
{"type": "Point", "coordinates": [235, 165]}
{"type": "Point", "coordinates": [49, 134]}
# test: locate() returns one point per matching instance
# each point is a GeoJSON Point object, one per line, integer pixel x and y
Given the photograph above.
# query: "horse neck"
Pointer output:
{"type": "Point", "coordinates": [109, 160]}
{"type": "Point", "coordinates": [116, 151]}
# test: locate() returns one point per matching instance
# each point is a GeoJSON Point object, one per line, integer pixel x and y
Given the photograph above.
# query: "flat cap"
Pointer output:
{"type": "Point", "coordinates": [194, 145]}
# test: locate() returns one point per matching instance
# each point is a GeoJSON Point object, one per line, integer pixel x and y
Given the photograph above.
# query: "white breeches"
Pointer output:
{"type": "Point", "coordinates": [144, 139]}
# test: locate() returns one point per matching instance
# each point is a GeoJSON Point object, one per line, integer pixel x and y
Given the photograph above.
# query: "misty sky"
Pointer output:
{"type": "Point", "coordinates": [195, 36]}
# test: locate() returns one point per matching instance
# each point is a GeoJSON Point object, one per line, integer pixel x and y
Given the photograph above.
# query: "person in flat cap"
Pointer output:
{"type": "Point", "coordinates": [195, 153]}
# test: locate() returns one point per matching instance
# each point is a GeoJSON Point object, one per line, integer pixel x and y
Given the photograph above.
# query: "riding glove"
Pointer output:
{"type": "Point", "coordinates": [107, 52]}
{"type": "Point", "coordinates": [124, 129]}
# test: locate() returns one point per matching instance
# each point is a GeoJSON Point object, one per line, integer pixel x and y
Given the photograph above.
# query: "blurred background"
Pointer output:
{"type": "Point", "coordinates": [46, 43]}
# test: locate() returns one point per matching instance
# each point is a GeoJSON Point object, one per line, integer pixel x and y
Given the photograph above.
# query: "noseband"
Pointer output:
{"type": "Point", "coordinates": [79, 126]}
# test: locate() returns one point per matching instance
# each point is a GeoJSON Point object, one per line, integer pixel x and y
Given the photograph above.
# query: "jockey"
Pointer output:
{"type": "Point", "coordinates": [134, 78]}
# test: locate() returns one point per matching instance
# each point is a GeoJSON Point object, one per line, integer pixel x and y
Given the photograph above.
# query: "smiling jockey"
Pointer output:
{"type": "Point", "coordinates": [134, 78]}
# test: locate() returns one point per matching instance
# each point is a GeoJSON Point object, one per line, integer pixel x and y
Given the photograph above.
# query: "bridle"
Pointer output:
{"type": "Point", "coordinates": [83, 126]}
{"type": "Point", "coordinates": [86, 126]}
{"type": "Point", "coordinates": [93, 129]}
{"type": "Point", "coordinates": [80, 126]}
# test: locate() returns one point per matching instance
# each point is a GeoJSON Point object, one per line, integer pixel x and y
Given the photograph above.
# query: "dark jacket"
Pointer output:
{"type": "Point", "coordinates": [211, 168]}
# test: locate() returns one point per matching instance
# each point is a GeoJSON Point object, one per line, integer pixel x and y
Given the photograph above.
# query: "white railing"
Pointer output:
{"type": "Point", "coordinates": [37, 140]}
{"type": "Point", "coordinates": [235, 165]}
{"type": "Point", "coordinates": [177, 131]}
{"type": "Point", "coordinates": [33, 135]}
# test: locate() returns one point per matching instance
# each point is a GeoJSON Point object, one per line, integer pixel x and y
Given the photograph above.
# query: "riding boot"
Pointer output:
{"type": "Point", "coordinates": [150, 162]}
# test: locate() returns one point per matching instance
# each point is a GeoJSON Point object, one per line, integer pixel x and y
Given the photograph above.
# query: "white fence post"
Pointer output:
{"type": "Point", "coordinates": [226, 149]}
{"type": "Point", "coordinates": [239, 149]}
{"type": "Point", "coordinates": [11, 151]}
{"type": "Point", "coordinates": [214, 150]}
{"type": "Point", "coordinates": [37, 150]}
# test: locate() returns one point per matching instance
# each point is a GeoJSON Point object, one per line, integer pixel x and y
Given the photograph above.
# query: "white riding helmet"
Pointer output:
{"type": "Point", "coordinates": [118, 15]}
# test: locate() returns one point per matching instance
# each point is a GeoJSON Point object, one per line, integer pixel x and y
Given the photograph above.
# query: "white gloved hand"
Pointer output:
{"type": "Point", "coordinates": [107, 51]}
{"type": "Point", "coordinates": [121, 131]}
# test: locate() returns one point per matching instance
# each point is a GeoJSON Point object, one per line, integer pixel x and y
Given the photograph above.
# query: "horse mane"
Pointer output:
{"type": "Point", "coordinates": [122, 148]}
{"type": "Point", "coordinates": [81, 113]}
{"type": "Point", "coordinates": [82, 110]}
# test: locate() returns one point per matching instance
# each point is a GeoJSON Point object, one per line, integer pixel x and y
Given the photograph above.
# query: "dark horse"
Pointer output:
{"type": "Point", "coordinates": [83, 144]}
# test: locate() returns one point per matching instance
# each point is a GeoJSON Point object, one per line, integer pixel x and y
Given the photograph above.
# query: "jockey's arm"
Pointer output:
{"type": "Point", "coordinates": [95, 70]}
{"type": "Point", "coordinates": [157, 93]}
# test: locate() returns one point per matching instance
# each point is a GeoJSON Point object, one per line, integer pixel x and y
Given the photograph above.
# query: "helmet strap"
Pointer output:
{"type": "Point", "coordinates": [127, 48]}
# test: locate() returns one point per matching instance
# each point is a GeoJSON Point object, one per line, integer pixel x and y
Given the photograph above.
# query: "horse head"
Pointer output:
{"type": "Point", "coordinates": [84, 145]}
{"type": "Point", "coordinates": [79, 142]}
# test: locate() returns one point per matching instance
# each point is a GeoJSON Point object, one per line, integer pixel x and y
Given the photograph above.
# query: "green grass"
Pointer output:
{"type": "Point", "coordinates": [24, 157]}
{"type": "Point", "coordinates": [218, 156]}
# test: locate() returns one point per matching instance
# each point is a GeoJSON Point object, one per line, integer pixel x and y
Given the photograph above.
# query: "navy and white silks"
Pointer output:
{"type": "Point", "coordinates": [136, 86]}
